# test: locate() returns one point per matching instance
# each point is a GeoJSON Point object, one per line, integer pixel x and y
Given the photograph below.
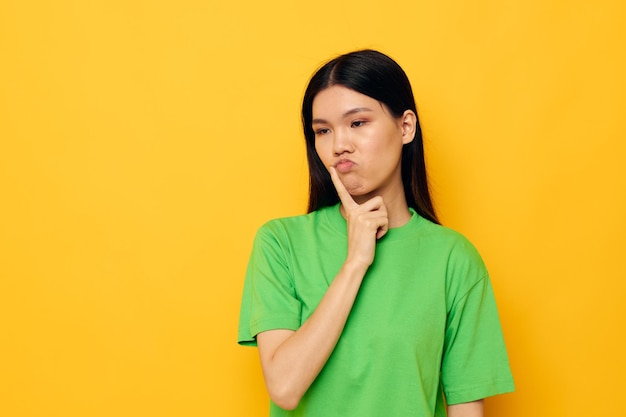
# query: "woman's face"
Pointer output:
{"type": "Point", "coordinates": [360, 137]}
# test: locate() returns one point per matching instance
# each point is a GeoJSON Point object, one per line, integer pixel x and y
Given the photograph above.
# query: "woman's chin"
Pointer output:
{"type": "Point", "coordinates": [356, 189]}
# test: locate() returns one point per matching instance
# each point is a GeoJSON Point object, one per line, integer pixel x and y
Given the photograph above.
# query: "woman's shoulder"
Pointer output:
{"type": "Point", "coordinates": [455, 242]}
{"type": "Point", "coordinates": [298, 223]}
{"type": "Point", "coordinates": [290, 221]}
{"type": "Point", "coordinates": [442, 233]}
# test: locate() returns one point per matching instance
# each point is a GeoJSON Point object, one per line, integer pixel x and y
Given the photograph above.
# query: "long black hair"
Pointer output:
{"type": "Point", "coordinates": [376, 75]}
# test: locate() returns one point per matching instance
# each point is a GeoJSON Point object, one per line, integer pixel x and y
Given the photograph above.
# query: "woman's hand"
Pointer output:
{"type": "Point", "coordinates": [367, 222]}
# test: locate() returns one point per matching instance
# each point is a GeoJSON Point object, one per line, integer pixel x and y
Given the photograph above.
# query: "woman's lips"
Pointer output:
{"type": "Point", "coordinates": [344, 166]}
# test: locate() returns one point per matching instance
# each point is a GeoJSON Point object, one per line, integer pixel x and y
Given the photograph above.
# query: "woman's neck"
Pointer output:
{"type": "Point", "coordinates": [398, 211]}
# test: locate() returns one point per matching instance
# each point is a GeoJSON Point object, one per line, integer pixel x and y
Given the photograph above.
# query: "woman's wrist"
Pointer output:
{"type": "Point", "coordinates": [355, 268]}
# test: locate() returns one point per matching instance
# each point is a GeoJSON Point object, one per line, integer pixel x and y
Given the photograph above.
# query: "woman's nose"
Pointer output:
{"type": "Point", "coordinates": [342, 142]}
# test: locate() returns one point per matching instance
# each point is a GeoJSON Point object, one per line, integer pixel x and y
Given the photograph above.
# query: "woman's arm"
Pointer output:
{"type": "Point", "coordinates": [291, 360]}
{"type": "Point", "coordinates": [471, 409]}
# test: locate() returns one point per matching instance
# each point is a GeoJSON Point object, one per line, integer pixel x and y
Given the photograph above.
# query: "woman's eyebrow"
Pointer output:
{"type": "Point", "coordinates": [356, 110]}
{"type": "Point", "coordinates": [346, 114]}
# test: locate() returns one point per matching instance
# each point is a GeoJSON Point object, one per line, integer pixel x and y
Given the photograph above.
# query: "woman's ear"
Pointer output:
{"type": "Point", "coordinates": [409, 122]}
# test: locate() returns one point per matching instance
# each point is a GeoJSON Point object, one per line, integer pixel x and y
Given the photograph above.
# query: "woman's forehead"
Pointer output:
{"type": "Point", "coordinates": [338, 102]}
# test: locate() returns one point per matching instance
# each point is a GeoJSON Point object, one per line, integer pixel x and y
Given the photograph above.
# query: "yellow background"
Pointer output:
{"type": "Point", "coordinates": [143, 142]}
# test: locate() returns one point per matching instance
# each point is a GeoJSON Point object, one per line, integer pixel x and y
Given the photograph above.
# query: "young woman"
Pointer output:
{"type": "Point", "coordinates": [366, 306]}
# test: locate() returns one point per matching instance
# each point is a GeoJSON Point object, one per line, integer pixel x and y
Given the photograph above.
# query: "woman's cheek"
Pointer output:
{"type": "Point", "coordinates": [322, 153]}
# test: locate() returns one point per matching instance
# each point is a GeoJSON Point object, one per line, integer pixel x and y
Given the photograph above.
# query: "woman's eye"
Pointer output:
{"type": "Point", "coordinates": [321, 131]}
{"type": "Point", "coordinates": [358, 123]}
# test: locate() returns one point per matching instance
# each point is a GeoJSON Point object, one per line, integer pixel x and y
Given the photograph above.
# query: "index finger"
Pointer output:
{"type": "Point", "coordinates": [342, 192]}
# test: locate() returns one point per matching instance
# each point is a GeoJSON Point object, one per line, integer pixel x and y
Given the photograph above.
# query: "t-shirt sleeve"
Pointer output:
{"type": "Point", "coordinates": [269, 299]}
{"type": "Point", "coordinates": [475, 363]}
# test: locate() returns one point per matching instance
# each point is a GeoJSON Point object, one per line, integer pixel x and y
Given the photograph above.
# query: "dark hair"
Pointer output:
{"type": "Point", "coordinates": [376, 75]}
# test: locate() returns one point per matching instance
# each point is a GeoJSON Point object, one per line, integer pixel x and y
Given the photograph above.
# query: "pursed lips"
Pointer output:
{"type": "Point", "coordinates": [344, 165]}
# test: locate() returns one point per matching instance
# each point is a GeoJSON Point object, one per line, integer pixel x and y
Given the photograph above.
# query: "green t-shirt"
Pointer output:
{"type": "Point", "coordinates": [424, 324]}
